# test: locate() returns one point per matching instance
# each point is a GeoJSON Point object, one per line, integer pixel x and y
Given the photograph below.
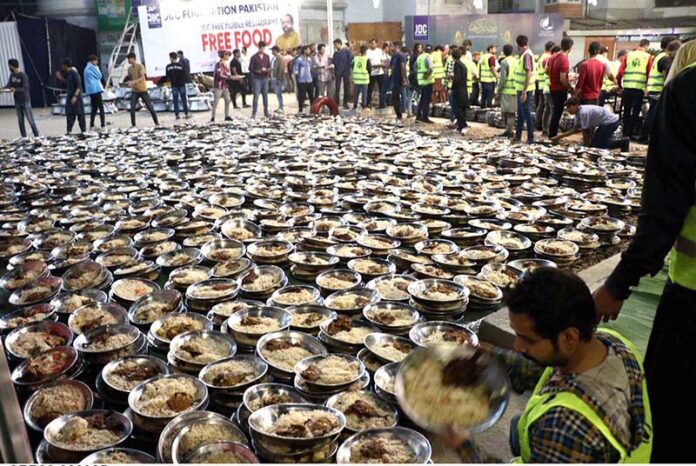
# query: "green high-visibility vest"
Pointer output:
{"type": "Point", "coordinates": [635, 73]}
{"type": "Point", "coordinates": [438, 67]}
{"type": "Point", "coordinates": [655, 79]}
{"type": "Point", "coordinates": [510, 87]}
{"type": "Point", "coordinates": [539, 404]}
{"type": "Point", "coordinates": [485, 72]}
{"type": "Point", "coordinates": [520, 73]}
{"type": "Point", "coordinates": [607, 84]}
{"type": "Point", "coordinates": [471, 73]}
{"type": "Point", "coordinates": [422, 69]}
{"type": "Point", "coordinates": [360, 75]}
{"type": "Point", "coordinates": [543, 78]}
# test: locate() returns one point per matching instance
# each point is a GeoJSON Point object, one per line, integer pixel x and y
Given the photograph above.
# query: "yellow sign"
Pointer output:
{"type": "Point", "coordinates": [483, 26]}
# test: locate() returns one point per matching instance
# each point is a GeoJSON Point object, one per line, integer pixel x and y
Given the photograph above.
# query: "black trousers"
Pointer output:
{"type": "Point", "coordinates": [653, 98]}
{"type": "Point", "coordinates": [73, 112]}
{"type": "Point", "coordinates": [558, 99]}
{"type": "Point", "coordinates": [234, 90]}
{"type": "Point", "coordinates": [602, 97]}
{"type": "Point", "coordinates": [374, 80]}
{"type": "Point", "coordinates": [146, 101]}
{"type": "Point", "coordinates": [589, 101]}
{"type": "Point", "coordinates": [97, 105]}
{"type": "Point", "coordinates": [396, 99]}
{"type": "Point", "coordinates": [487, 93]}
{"type": "Point", "coordinates": [475, 92]}
{"type": "Point", "coordinates": [670, 369]}
{"type": "Point", "coordinates": [346, 85]}
{"type": "Point", "coordinates": [632, 101]}
{"type": "Point", "coordinates": [304, 92]}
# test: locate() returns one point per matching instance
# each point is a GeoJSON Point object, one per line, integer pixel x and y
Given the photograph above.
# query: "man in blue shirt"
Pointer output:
{"type": "Point", "coordinates": [597, 125]}
{"type": "Point", "coordinates": [302, 70]}
{"type": "Point", "coordinates": [342, 59]}
{"type": "Point", "coordinates": [399, 78]}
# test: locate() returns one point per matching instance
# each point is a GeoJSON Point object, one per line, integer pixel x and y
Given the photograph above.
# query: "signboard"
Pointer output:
{"type": "Point", "coordinates": [420, 28]}
{"type": "Point", "coordinates": [112, 14]}
{"type": "Point", "coordinates": [484, 30]}
{"type": "Point", "coordinates": [202, 29]}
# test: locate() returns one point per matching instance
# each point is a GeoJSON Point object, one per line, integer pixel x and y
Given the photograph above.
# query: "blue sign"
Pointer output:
{"type": "Point", "coordinates": [420, 28]}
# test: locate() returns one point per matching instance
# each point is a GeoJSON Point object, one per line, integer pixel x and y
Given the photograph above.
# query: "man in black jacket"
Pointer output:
{"type": "Point", "coordinates": [176, 73]}
{"type": "Point", "coordinates": [459, 90]}
{"type": "Point", "coordinates": [667, 222]}
{"type": "Point", "coordinates": [342, 59]}
{"type": "Point", "coordinates": [74, 107]}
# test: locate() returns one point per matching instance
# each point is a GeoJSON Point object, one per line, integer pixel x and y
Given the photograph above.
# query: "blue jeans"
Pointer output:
{"type": "Point", "coordinates": [24, 110]}
{"type": "Point", "coordinates": [384, 91]}
{"type": "Point", "coordinates": [406, 97]}
{"type": "Point", "coordinates": [359, 89]}
{"type": "Point", "coordinates": [603, 137]}
{"type": "Point", "coordinates": [278, 86]}
{"type": "Point", "coordinates": [524, 115]}
{"type": "Point", "coordinates": [423, 110]}
{"type": "Point", "coordinates": [453, 106]}
{"type": "Point", "coordinates": [259, 86]}
{"type": "Point", "coordinates": [176, 93]}
{"type": "Point", "coordinates": [487, 92]}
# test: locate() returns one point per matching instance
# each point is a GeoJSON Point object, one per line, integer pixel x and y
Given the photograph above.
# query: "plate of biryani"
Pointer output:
{"type": "Point", "coordinates": [387, 445]}
{"type": "Point", "coordinates": [470, 389]}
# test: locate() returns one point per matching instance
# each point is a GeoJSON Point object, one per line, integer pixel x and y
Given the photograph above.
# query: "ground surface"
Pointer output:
{"type": "Point", "coordinates": [495, 440]}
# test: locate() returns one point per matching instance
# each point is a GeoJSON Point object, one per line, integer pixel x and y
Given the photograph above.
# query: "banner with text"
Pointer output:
{"type": "Point", "coordinates": [212, 25]}
{"type": "Point", "coordinates": [484, 30]}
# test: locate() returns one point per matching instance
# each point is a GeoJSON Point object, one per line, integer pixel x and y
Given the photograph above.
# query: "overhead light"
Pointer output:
{"type": "Point", "coordinates": [375, 3]}
{"type": "Point", "coordinates": [478, 4]}
{"type": "Point", "coordinates": [592, 2]}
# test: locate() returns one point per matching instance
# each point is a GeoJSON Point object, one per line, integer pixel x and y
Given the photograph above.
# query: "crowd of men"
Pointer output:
{"type": "Point", "coordinates": [532, 91]}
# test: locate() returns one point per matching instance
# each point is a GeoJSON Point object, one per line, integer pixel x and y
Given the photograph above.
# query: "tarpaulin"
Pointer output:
{"type": "Point", "coordinates": [45, 42]}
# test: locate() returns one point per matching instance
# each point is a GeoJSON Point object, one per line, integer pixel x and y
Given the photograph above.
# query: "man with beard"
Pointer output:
{"type": "Point", "coordinates": [589, 402]}
{"type": "Point", "coordinates": [290, 39]}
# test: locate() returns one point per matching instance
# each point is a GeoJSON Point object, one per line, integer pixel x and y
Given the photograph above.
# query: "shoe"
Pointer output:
{"type": "Point", "coordinates": [429, 121]}
{"type": "Point", "coordinates": [516, 140]}
{"type": "Point", "coordinates": [246, 106]}
{"type": "Point", "coordinates": [177, 117]}
{"type": "Point", "coordinates": [212, 120]}
{"type": "Point", "coordinates": [266, 115]}
{"type": "Point", "coordinates": [530, 141]}
{"type": "Point", "coordinates": [505, 135]}
{"type": "Point", "coordinates": [187, 116]}
{"type": "Point", "coordinates": [465, 130]}
{"type": "Point", "coordinates": [451, 126]}
{"type": "Point", "coordinates": [235, 107]}
{"type": "Point", "coordinates": [228, 118]}
{"type": "Point", "coordinates": [346, 107]}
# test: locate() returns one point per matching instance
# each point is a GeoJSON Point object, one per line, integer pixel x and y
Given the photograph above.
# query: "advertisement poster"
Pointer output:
{"type": "Point", "coordinates": [112, 14]}
{"type": "Point", "coordinates": [483, 30]}
{"type": "Point", "coordinates": [213, 25]}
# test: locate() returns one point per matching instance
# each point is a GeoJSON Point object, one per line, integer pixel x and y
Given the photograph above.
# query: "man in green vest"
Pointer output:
{"type": "Point", "coordinates": [543, 109]}
{"type": "Point", "coordinates": [633, 79]}
{"type": "Point", "coordinates": [439, 92]}
{"type": "Point", "coordinates": [488, 75]}
{"type": "Point", "coordinates": [507, 91]}
{"type": "Point", "coordinates": [524, 81]}
{"type": "Point", "coordinates": [609, 79]}
{"type": "Point", "coordinates": [424, 75]}
{"type": "Point", "coordinates": [667, 225]}
{"type": "Point", "coordinates": [656, 81]}
{"type": "Point", "coordinates": [589, 400]}
{"type": "Point", "coordinates": [361, 77]}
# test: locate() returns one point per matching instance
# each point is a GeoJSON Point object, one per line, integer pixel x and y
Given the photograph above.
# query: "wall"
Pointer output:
{"type": "Point", "coordinates": [396, 10]}
{"type": "Point", "coordinates": [451, 7]}
{"type": "Point", "coordinates": [364, 11]}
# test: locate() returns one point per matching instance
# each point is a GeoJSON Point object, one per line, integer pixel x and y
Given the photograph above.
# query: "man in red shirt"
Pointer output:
{"type": "Point", "coordinates": [591, 77]}
{"type": "Point", "coordinates": [557, 69]}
